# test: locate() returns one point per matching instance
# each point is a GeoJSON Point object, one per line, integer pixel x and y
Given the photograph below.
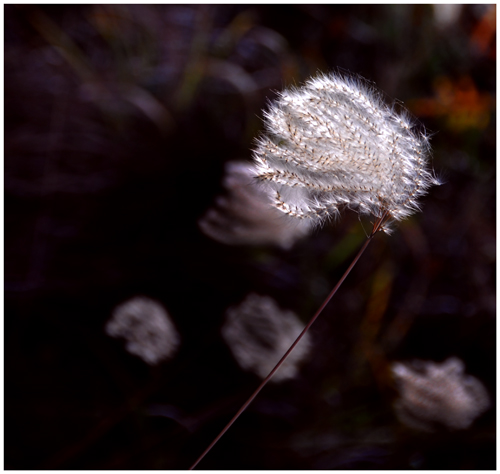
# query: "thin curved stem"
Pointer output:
{"type": "Point", "coordinates": [376, 227]}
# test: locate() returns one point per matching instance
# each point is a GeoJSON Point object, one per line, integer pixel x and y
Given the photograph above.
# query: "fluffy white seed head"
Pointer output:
{"type": "Point", "coordinates": [147, 328]}
{"type": "Point", "coordinates": [258, 333]}
{"type": "Point", "coordinates": [244, 215]}
{"type": "Point", "coordinates": [334, 143]}
{"type": "Point", "coordinates": [438, 394]}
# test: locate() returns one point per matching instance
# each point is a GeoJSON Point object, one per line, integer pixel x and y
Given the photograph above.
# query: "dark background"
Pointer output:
{"type": "Point", "coordinates": [118, 122]}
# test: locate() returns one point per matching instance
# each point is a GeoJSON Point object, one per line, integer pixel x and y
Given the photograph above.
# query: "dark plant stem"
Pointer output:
{"type": "Point", "coordinates": [376, 227]}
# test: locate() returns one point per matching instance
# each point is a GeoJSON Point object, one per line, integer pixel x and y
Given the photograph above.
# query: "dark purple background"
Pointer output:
{"type": "Point", "coordinates": [102, 202]}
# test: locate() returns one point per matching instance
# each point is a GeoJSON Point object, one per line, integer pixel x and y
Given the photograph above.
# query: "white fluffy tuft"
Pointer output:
{"type": "Point", "coordinates": [334, 143]}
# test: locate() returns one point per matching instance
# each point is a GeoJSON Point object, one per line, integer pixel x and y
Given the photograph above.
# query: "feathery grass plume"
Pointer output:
{"type": "Point", "coordinates": [334, 143]}
{"type": "Point", "coordinates": [147, 328]}
{"type": "Point", "coordinates": [433, 394]}
{"type": "Point", "coordinates": [258, 333]}
{"type": "Point", "coordinates": [245, 216]}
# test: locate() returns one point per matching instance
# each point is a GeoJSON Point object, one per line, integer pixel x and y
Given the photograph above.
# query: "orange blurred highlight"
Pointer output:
{"type": "Point", "coordinates": [459, 103]}
{"type": "Point", "coordinates": [483, 35]}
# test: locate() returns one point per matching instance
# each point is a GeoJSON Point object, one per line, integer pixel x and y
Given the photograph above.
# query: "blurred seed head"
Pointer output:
{"type": "Point", "coordinates": [147, 328]}
{"type": "Point", "coordinates": [245, 217]}
{"type": "Point", "coordinates": [259, 333]}
{"type": "Point", "coordinates": [446, 15]}
{"type": "Point", "coordinates": [433, 394]}
{"type": "Point", "coordinates": [334, 143]}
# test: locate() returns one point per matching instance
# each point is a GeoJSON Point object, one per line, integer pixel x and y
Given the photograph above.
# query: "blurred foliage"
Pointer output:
{"type": "Point", "coordinates": [118, 122]}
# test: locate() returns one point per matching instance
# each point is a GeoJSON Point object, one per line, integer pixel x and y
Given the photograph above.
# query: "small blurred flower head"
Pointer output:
{"type": "Point", "coordinates": [259, 333]}
{"type": "Point", "coordinates": [433, 395]}
{"type": "Point", "coordinates": [146, 327]}
{"type": "Point", "coordinates": [334, 143]}
{"type": "Point", "coordinates": [245, 215]}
